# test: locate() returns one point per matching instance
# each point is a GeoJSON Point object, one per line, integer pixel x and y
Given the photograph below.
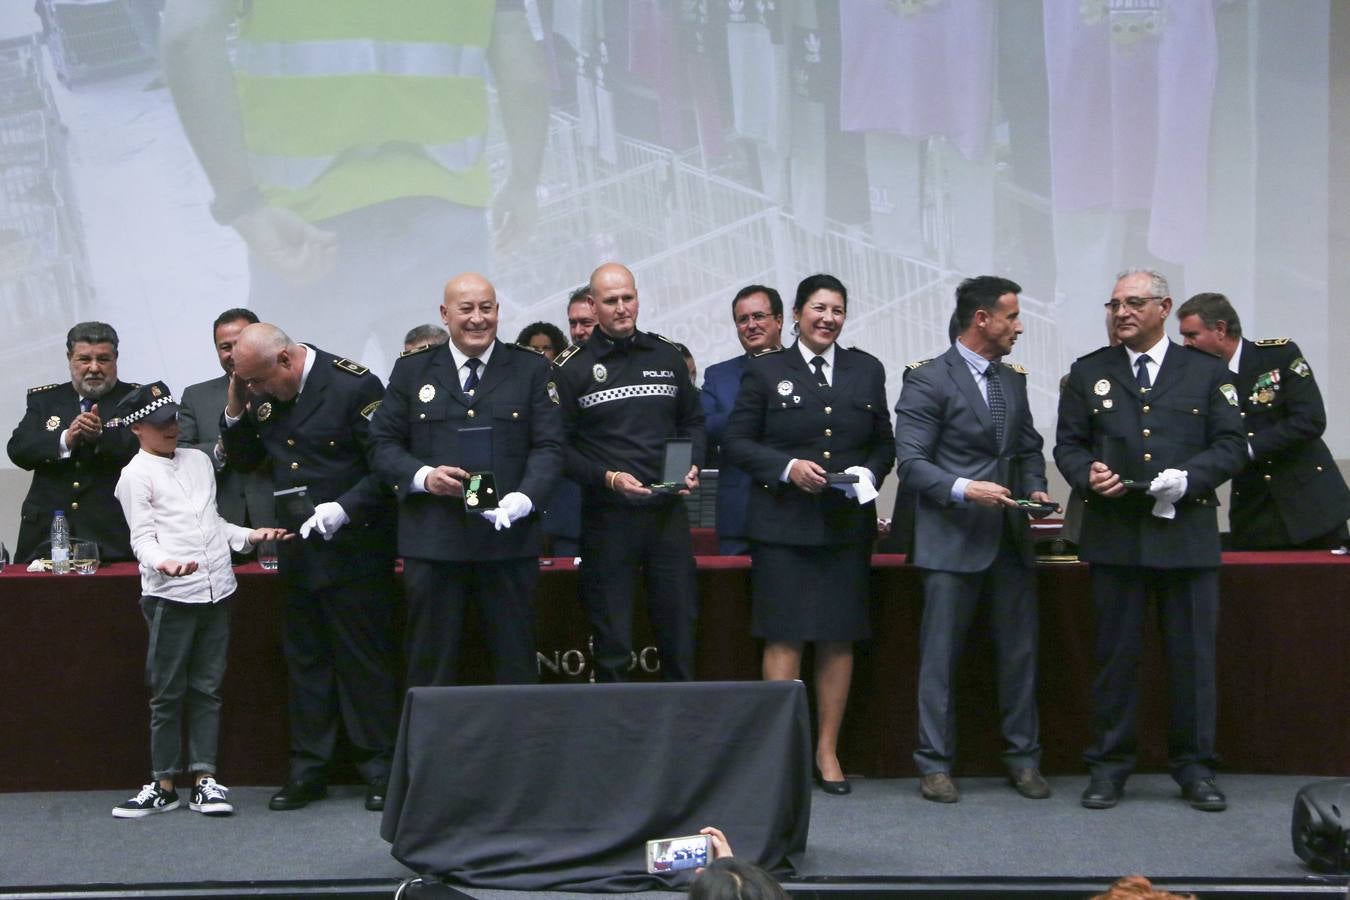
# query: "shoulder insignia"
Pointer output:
{"type": "Point", "coordinates": [860, 350]}
{"type": "Point", "coordinates": [527, 348]}
{"type": "Point", "coordinates": [917, 363]}
{"type": "Point", "coordinates": [43, 387]}
{"type": "Point", "coordinates": [768, 350]}
{"type": "Point", "coordinates": [674, 344]}
{"type": "Point", "coordinates": [1229, 393]}
{"type": "Point", "coordinates": [1300, 368]}
{"type": "Point", "coordinates": [1272, 342]}
{"type": "Point", "coordinates": [132, 384]}
{"type": "Point", "coordinates": [567, 354]}
{"type": "Point", "coordinates": [1017, 367]}
{"type": "Point", "coordinates": [416, 350]}
{"type": "Point", "coordinates": [368, 410]}
{"type": "Point", "coordinates": [351, 368]}
{"type": "Point", "coordinates": [1106, 349]}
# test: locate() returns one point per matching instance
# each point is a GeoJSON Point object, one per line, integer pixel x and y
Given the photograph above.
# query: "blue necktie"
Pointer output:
{"type": "Point", "coordinates": [998, 409]}
{"type": "Point", "coordinates": [86, 404]}
{"type": "Point", "coordinates": [1141, 372]}
{"type": "Point", "coordinates": [472, 381]}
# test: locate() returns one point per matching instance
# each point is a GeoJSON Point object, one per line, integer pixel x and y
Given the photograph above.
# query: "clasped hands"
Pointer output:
{"type": "Point", "coordinates": [87, 426]}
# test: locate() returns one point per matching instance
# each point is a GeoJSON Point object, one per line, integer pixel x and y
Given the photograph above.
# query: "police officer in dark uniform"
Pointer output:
{"type": "Point", "coordinates": [1291, 496]}
{"type": "Point", "coordinates": [475, 406]}
{"type": "Point", "coordinates": [70, 440]}
{"type": "Point", "coordinates": [309, 419]}
{"type": "Point", "coordinates": [804, 413]}
{"type": "Point", "coordinates": [1165, 419]}
{"type": "Point", "coordinates": [624, 393]}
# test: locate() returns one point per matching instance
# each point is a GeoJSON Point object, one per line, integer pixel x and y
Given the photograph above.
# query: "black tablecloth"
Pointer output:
{"type": "Point", "coordinates": [559, 787]}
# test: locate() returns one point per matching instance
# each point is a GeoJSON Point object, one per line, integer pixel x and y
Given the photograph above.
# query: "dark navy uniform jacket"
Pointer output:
{"type": "Point", "coordinates": [1291, 490]}
{"type": "Point", "coordinates": [1189, 420]}
{"type": "Point", "coordinates": [320, 440]}
{"type": "Point", "coordinates": [782, 414]}
{"type": "Point", "coordinates": [82, 483]}
{"type": "Point", "coordinates": [621, 401]}
{"type": "Point", "coordinates": [721, 385]}
{"type": "Point", "coordinates": [419, 424]}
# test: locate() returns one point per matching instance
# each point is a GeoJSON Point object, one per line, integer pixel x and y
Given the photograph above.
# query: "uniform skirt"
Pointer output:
{"type": "Point", "coordinates": [811, 593]}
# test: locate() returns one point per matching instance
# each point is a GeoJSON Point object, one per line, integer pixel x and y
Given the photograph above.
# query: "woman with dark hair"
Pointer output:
{"type": "Point", "coordinates": [730, 878]}
{"type": "Point", "coordinates": [811, 425]}
{"type": "Point", "coordinates": [543, 336]}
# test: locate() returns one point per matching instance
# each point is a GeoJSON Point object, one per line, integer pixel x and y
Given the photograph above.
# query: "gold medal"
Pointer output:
{"type": "Point", "coordinates": [264, 412]}
{"type": "Point", "coordinates": [53, 423]}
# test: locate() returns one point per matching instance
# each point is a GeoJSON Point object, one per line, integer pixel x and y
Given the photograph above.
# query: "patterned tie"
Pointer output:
{"type": "Point", "coordinates": [1141, 372]}
{"type": "Point", "coordinates": [818, 363]}
{"type": "Point", "coordinates": [472, 381]}
{"type": "Point", "coordinates": [86, 404]}
{"type": "Point", "coordinates": [998, 409]}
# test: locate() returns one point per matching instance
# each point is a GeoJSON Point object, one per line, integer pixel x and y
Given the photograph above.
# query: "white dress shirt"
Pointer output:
{"type": "Point", "coordinates": [170, 508]}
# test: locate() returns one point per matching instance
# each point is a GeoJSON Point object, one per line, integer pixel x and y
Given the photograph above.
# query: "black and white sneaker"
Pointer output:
{"type": "Point", "coordinates": [210, 798]}
{"type": "Point", "coordinates": [152, 799]}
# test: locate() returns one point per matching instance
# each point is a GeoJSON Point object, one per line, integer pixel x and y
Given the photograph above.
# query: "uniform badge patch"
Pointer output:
{"type": "Point", "coordinates": [784, 388]}
{"type": "Point", "coordinates": [553, 392]}
{"type": "Point", "coordinates": [1107, 403]}
{"type": "Point", "coordinates": [264, 412]}
{"type": "Point", "coordinates": [1300, 368]}
{"type": "Point", "coordinates": [53, 423]}
{"type": "Point", "coordinates": [599, 372]}
{"type": "Point", "coordinates": [368, 410]}
{"type": "Point", "coordinates": [155, 391]}
{"type": "Point", "coordinates": [427, 393]}
{"type": "Point", "coordinates": [350, 367]}
{"type": "Point", "coordinates": [1102, 388]}
{"type": "Point", "coordinates": [1229, 393]}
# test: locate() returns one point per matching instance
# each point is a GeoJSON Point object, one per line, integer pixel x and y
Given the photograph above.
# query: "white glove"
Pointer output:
{"type": "Point", "coordinates": [327, 519]}
{"type": "Point", "coordinates": [1166, 489]}
{"type": "Point", "coordinates": [511, 508]}
{"type": "Point", "coordinates": [865, 490]}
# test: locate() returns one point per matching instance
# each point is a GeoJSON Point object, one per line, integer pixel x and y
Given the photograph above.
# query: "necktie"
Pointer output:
{"type": "Point", "coordinates": [472, 381]}
{"type": "Point", "coordinates": [1141, 372]}
{"type": "Point", "coordinates": [998, 409]}
{"type": "Point", "coordinates": [818, 363]}
{"type": "Point", "coordinates": [86, 404]}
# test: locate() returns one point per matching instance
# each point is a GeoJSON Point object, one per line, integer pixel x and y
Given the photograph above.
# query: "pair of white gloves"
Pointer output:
{"type": "Point", "coordinates": [864, 491]}
{"type": "Point", "coordinates": [1166, 489]}
{"type": "Point", "coordinates": [329, 517]}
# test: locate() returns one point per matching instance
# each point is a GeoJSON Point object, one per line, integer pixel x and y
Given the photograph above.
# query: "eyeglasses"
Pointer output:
{"type": "Point", "coordinates": [759, 318]}
{"type": "Point", "coordinates": [1134, 303]}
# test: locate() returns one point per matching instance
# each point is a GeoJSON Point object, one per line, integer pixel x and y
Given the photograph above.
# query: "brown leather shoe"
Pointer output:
{"type": "Point", "coordinates": [939, 787]}
{"type": "Point", "coordinates": [1030, 784]}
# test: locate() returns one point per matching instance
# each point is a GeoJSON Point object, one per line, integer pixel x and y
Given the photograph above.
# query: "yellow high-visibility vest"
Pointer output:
{"type": "Point", "coordinates": [348, 103]}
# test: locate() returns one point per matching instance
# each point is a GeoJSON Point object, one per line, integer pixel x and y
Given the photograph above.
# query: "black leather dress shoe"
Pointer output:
{"type": "Point", "coordinates": [837, 788]}
{"type": "Point", "coordinates": [1204, 794]}
{"type": "Point", "coordinates": [298, 794]}
{"type": "Point", "coordinates": [375, 793]}
{"type": "Point", "coordinates": [1101, 793]}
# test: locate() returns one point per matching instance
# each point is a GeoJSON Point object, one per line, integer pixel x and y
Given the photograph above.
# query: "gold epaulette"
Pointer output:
{"type": "Point", "coordinates": [675, 344]}
{"type": "Point", "coordinates": [528, 347]}
{"type": "Point", "coordinates": [368, 410]}
{"type": "Point", "coordinates": [1016, 367]}
{"type": "Point", "coordinates": [767, 350]}
{"type": "Point", "coordinates": [917, 363]}
{"type": "Point", "coordinates": [567, 354]}
{"type": "Point", "coordinates": [416, 350]}
{"type": "Point", "coordinates": [1272, 342]}
{"type": "Point", "coordinates": [351, 368]}
{"type": "Point", "coordinates": [44, 387]}
{"type": "Point", "coordinates": [860, 350]}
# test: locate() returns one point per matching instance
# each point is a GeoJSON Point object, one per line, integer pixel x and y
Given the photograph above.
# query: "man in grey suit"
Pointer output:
{"type": "Point", "coordinates": [244, 498]}
{"type": "Point", "coordinates": [968, 451]}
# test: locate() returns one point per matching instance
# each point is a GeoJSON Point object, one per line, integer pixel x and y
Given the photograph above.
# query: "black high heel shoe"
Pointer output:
{"type": "Point", "coordinates": [837, 788]}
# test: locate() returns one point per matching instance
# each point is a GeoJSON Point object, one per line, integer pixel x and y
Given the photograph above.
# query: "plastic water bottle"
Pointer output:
{"type": "Point", "coordinates": [60, 544]}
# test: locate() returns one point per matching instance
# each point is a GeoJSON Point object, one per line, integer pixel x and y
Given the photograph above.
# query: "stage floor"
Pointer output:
{"type": "Point", "coordinates": [884, 833]}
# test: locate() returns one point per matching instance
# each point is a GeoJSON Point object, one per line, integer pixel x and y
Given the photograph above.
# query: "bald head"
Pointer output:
{"type": "Point", "coordinates": [268, 361]}
{"type": "Point", "coordinates": [469, 311]}
{"type": "Point", "coordinates": [614, 299]}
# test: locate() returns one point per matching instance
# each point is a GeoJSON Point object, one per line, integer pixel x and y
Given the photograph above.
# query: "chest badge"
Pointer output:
{"type": "Point", "coordinates": [427, 393]}
{"type": "Point", "coordinates": [264, 412]}
{"type": "Point", "coordinates": [1229, 393]}
{"type": "Point", "coordinates": [53, 423]}
{"type": "Point", "coordinates": [1102, 388]}
{"type": "Point", "coordinates": [599, 373]}
{"type": "Point", "coordinates": [784, 388]}
{"type": "Point", "coordinates": [1107, 403]}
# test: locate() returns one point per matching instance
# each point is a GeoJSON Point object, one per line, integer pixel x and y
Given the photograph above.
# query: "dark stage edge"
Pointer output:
{"type": "Point", "coordinates": [883, 841]}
